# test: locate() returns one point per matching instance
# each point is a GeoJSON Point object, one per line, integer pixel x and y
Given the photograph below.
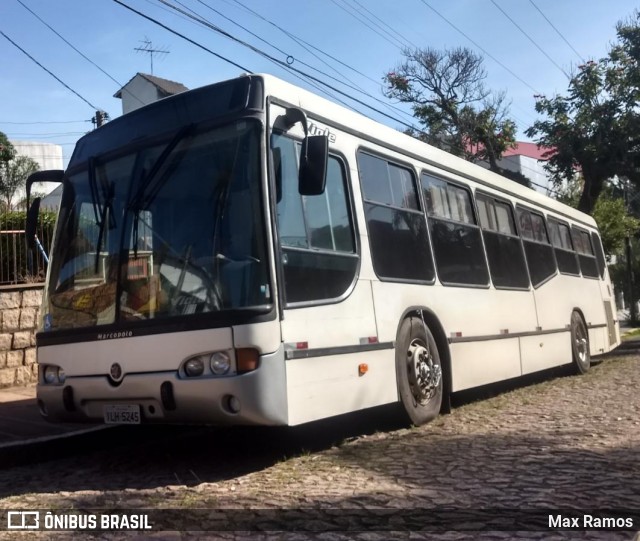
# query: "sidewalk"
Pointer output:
{"type": "Point", "coordinates": [22, 424]}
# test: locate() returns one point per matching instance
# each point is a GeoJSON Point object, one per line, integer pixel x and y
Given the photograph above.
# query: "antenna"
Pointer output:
{"type": "Point", "coordinates": [148, 48]}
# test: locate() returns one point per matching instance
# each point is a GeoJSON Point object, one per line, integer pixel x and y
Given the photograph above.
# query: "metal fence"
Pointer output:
{"type": "Point", "coordinates": [18, 264]}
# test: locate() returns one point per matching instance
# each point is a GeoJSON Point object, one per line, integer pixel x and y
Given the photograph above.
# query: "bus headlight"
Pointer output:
{"type": "Point", "coordinates": [52, 374]}
{"type": "Point", "coordinates": [194, 367]}
{"type": "Point", "coordinates": [220, 363]}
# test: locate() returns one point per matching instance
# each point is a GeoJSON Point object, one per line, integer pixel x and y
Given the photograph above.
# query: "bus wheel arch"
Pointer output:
{"type": "Point", "coordinates": [580, 348]}
{"type": "Point", "coordinates": [422, 366]}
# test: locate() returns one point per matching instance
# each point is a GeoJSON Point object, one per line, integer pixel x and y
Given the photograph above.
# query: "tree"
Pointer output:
{"type": "Point", "coordinates": [7, 152]}
{"type": "Point", "coordinates": [609, 212]}
{"type": "Point", "coordinates": [455, 110]}
{"type": "Point", "coordinates": [14, 176]}
{"type": "Point", "coordinates": [595, 128]}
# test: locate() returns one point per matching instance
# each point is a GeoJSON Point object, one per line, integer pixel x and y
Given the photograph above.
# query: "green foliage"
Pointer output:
{"type": "Point", "coordinates": [595, 127]}
{"type": "Point", "coordinates": [7, 152]}
{"type": "Point", "coordinates": [614, 223]}
{"type": "Point", "coordinates": [13, 176]}
{"type": "Point", "coordinates": [17, 264]}
{"type": "Point", "coordinates": [456, 112]}
{"type": "Point", "coordinates": [609, 212]}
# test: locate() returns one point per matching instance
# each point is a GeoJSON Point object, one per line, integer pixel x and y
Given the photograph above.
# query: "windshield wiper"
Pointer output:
{"type": "Point", "coordinates": [138, 202]}
{"type": "Point", "coordinates": [146, 180]}
{"type": "Point", "coordinates": [101, 199]}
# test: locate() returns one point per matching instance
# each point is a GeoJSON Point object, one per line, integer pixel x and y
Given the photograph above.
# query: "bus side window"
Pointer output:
{"type": "Point", "coordinates": [561, 241]}
{"type": "Point", "coordinates": [600, 257]}
{"type": "Point", "coordinates": [540, 255]}
{"type": "Point", "coordinates": [316, 233]}
{"type": "Point", "coordinates": [397, 227]}
{"type": "Point", "coordinates": [586, 255]}
{"type": "Point", "coordinates": [456, 237]}
{"type": "Point", "coordinates": [504, 250]}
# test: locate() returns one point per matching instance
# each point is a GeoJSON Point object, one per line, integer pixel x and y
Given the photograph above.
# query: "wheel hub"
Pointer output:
{"type": "Point", "coordinates": [424, 374]}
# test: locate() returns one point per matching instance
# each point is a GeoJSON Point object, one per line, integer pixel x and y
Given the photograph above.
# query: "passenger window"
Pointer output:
{"type": "Point", "coordinates": [504, 250]}
{"type": "Point", "coordinates": [586, 255]}
{"type": "Point", "coordinates": [397, 228]}
{"type": "Point", "coordinates": [456, 238]}
{"type": "Point", "coordinates": [386, 183]}
{"type": "Point", "coordinates": [540, 254]}
{"type": "Point", "coordinates": [316, 232]}
{"type": "Point", "coordinates": [600, 258]}
{"type": "Point", "coordinates": [561, 241]}
{"type": "Point", "coordinates": [504, 218]}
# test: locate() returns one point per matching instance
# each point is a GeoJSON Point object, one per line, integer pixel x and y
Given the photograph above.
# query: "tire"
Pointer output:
{"type": "Point", "coordinates": [418, 372]}
{"type": "Point", "coordinates": [580, 344]}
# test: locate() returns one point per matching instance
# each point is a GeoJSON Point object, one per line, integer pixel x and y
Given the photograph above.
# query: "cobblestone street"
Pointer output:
{"type": "Point", "coordinates": [567, 442]}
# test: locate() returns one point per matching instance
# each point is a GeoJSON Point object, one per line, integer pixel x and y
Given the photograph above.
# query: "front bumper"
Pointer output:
{"type": "Point", "coordinates": [164, 397]}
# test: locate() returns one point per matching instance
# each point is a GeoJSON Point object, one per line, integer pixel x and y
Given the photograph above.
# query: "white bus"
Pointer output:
{"type": "Point", "coordinates": [251, 253]}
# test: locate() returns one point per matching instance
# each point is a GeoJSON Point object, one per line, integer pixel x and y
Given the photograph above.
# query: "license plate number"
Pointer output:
{"type": "Point", "coordinates": [128, 414]}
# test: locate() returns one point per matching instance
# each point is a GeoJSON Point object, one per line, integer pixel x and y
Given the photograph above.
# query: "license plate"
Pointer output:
{"type": "Point", "coordinates": [128, 414]}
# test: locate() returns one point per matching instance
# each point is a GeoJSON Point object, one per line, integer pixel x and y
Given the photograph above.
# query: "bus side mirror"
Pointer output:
{"type": "Point", "coordinates": [314, 157]}
{"type": "Point", "coordinates": [32, 223]}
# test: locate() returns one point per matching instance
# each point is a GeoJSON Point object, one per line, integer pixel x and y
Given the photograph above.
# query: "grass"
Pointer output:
{"type": "Point", "coordinates": [633, 333]}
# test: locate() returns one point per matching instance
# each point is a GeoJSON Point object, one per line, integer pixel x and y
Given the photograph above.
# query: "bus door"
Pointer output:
{"type": "Point", "coordinates": [328, 319]}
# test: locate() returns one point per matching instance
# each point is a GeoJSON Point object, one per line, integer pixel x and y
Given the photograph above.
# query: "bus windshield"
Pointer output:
{"type": "Point", "coordinates": [171, 229]}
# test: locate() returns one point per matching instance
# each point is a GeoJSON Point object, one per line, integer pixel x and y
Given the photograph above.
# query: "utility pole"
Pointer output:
{"type": "Point", "coordinates": [148, 48]}
{"type": "Point", "coordinates": [100, 118]}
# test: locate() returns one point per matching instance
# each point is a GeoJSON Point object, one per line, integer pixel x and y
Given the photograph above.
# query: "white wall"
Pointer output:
{"type": "Point", "coordinates": [530, 168]}
{"type": "Point", "coordinates": [46, 155]}
{"type": "Point", "coordinates": [142, 90]}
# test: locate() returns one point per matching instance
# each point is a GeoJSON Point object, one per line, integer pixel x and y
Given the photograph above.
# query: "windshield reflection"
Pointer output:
{"type": "Point", "coordinates": [171, 230]}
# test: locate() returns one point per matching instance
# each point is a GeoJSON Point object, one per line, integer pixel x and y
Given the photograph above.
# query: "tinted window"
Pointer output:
{"type": "Point", "coordinates": [445, 200]}
{"type": "Point", "coordinates": [540, 254]}
{"type": "Point", "coordinates": [397, 229]}
{"type": "Point", "coordinates": [600, 259]}
{"type": "Point", "coordinates": [316, 232]}
{"type": "Point", "coordinates": [561, 241]}
{"type": "Point", "coordinates": [504, 249]}
{"type": "Point", "coordinates": [586, 255]}
{"type": "Point", "coordinates": [387, 183]}
{"type": "Point", "coordinates": [456, 238]}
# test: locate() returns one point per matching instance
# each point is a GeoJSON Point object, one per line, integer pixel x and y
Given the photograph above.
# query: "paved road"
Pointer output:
{"type": "Point", "coordinates": [569, 443]}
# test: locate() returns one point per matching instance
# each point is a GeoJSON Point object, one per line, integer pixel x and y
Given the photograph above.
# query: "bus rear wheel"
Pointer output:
{"type": "Point", "coordinates": [580, 344]}
{"type": "Point", "coordinates": [419, 371]}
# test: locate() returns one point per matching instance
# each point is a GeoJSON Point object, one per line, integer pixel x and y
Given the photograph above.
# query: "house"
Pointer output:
{"type": "Point", "coordinates": [528, 159]}
{"type": "Point", "coordinates": [143, 89]}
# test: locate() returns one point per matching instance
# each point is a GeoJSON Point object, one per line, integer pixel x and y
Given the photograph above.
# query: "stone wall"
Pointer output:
{"type": "Point", "coordinates": [19, 317]}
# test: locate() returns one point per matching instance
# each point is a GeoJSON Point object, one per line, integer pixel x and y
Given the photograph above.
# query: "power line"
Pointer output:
{"type": "Point", "coordinates": [77, 50]}
{"type": "Point", "coordinates": [478, 46]}
{"type": "Point", "coordinates": [407, 43]}
{"type": "Point", "coordinates": [316, 83]}
{"type": "Point", "coordinates": [310, 48]}
{"type": "Point", "coordinates": [45, 122]}
{"type": "Point", "coordinates": [531, 39]}
{"type": "Point", "coordinates": [290, 58]}
{"type": "Point", "coordinates": [354, 13]}
{"type": "Point", "coordinates": [197, 18]}
{"type": "Point", "coordinates": [299, 40]}
{"type": "Point", "coordinates": [183, 37]}
{"type": "Point", "coordinates": [273, 59]}
{"type": "Point", "coordinates": [557, 31]}
{"type": "Point", "coordinates": [48, 71]}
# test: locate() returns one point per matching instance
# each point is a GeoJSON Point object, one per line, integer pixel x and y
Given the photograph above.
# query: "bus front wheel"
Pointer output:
{"type": "Point", "coordinates": [419, 371]}
{"type": "Point", "coordinates": [580, 344]}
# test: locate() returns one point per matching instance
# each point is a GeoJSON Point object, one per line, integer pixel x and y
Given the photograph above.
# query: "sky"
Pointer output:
{"type": "Point", "coordinates": [529, 47]}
